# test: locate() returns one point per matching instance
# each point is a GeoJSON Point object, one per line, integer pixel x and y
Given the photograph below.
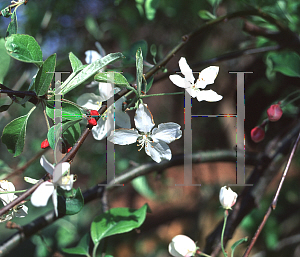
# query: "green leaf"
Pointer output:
{"type": "Point", "coordinates": [237, 243]}
{"type": "Point", "coordinates": [4, 60]}
{"type": "Point", "coordinates": [75, 62]}
{"type": "Point", "coordinates": [150, 8]}
{"type": "Point", "coordinates": [13, 25]}
{"type": "Point", "coordinates": [14, 133]}
{"type": "Point", "coordinates": [117, 221]}
{"type": "Point", "coordinates": [4, 107]}
{"type": "Point", "coordinates": [206, 15]}
{"type": "Point", "coordinates": [149, 83]}
{"type": "Point", "coordinates": [56, 131]}
{"type": "Point", "coordinates": [45, 75]}
{"type": "Point", "coordinates": [71, 204]}
{"type": "Point", "coordinates": [139, 70]}
{"type": "Point", "coordinates": [72, 133]}
{"type": "Point", "coordinates": [119, 79]}
{"type": "Point", "coordinates": [69, 111]}
{"type": "Point", "coordinates": [287, 62]}
{"type": "Point", "coordinates": [6, 12]}
{"type": "Point", "coordinates": [24, 48]}
{"type": "Point", "coordinates": [141, 185]}
{"type": "Point", "coordinates": [82, 248]}
{"type": "Point", "coordinates": [90, 71]}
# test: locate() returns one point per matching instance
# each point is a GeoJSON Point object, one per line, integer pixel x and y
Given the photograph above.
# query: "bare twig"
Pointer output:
{"type": "Point", "coordinates": [275, 199]}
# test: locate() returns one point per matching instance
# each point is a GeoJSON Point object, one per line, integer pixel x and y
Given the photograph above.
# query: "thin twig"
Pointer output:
{"type": "Point", "coordinates": [26, 165]}
{"type": "Point", "coordinates": [275, 199]}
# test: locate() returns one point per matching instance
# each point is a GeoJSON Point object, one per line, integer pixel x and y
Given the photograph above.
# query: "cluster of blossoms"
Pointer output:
{"type": "Point", "coordinates": [19, 211]}
{"type": "Point", "coordinates": [183, 246]}
{"type": "Point", "coordinates": [274, 113]}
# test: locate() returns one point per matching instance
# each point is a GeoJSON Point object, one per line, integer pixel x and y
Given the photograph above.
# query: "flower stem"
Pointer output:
{"type": "Point", "coordinates": [223, 230]}
{"type": "Point", "coordinates": [162, 94]}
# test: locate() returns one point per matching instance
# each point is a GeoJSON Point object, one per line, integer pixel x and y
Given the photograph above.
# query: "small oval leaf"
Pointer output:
{"type": "Point", "coordinates": [24, 48]}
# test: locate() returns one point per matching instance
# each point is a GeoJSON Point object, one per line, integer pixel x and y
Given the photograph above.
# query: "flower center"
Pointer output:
{"type": "Point", "coordinates": [143, 140]}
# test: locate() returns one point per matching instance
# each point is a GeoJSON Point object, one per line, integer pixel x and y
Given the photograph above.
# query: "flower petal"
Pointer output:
{"type": "Point", "coordinates": [167, 132]}
{"type": "Point", "coordinates": [60, 170]}
{"type": "Point", "coordinates": [91, 56]}
{"type": "Point", "coordinates": [90, 101]}
{"type": "Point", "coordinates": [7, 186]}
{"type": "Point", "coordinates": [207, 76]}
{"type": "Point", "coordinates": [67, 182]}
{"type": "Point", "coordinates": [186, 70]}
{"type": "Point", "coordinates": [54, 200]}
{"type": "Point", "coordinates": [182, 246]}
{"type": "Point", "coordinates": [180, 81]}
{"type": "Point", "coordinates": [122, 118]}
{"type": "Point", "coordinates": [208, 95]}
{"type": "Point", "coordinates": [101, 131]}
{"type": "Point", "coordinates": [123, 136]}
{"type": "Point", "coordinates": [143, 119]}
{"type": "Point", "coordinates": [46, 165]}
{"type": "Point", "coordinates": [106, 90]}
{"type": "Point", "coordinates": [158, 151]}
{"type": "Point", "coordinates": [41, 195]}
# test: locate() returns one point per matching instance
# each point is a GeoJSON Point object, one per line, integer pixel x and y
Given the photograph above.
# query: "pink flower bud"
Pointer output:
{"type": "Point", "coordinates": [45, 144]}
{"type": "Point", "coordinates": [257, 134]}
{"type": "Point", "coordinates": [274, 112]}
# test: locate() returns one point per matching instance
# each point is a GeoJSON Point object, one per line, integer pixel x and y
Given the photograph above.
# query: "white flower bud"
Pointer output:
{"type": "Point", "coordinates": [227, 197]}
{"type": "Point", "coordinates": [182, 246]}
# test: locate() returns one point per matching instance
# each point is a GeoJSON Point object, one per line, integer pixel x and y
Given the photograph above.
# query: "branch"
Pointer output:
{"type": "Point", "coordinates": [275, 199]}
{"type": "Point", "coordinates": [264, 172]}
{"type": "Point", "coordinates": [97, 191]}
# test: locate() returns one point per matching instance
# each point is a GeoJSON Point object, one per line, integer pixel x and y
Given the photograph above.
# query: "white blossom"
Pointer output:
{"type": "Point", "coordinates": [61, 178]}
{"type": "Point", "coordinates": [206, 77]}
{"type": "Point", "coordinates": [227, 197]}
{"type": "Point", "coordinates": [94, 102]}
{"type": "Point", "coordinates": [154, 140]}
{"type": "Point", "coordinates": [19, 211]}
{"type": "Point", "coordinates": [182, 246]}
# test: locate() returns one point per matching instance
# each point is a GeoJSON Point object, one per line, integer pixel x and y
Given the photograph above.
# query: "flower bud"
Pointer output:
{"type": "Point", "coordinates": [227, 197]}
{"type": "Point", "coordinates": [274, 112]}
{"type": "Point", "coordinates": [92, 122]}
{"type": "Point", "coordinates": [182, 246]}
{"type": "Point", "coordinates": [45, 144]}
{"type": "Point", "coordinates": [257, 134]}
{"type": "Point", "coordinates": [94, 113]}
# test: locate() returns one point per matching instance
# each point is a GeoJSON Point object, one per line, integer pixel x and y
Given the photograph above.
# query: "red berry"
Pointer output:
{"type": "Point", "coordinates": [274, 112]}
{"type": "Point", "coordinates": [69, 149]}
{"type": "Point", "coordinates": [257, 134]}
{"type": "Point", "coordinates": [45, 144]}
{"type": "Point", "coordinates": [92, 121]}
{"type": "Point", "coordinates": [94, 113]}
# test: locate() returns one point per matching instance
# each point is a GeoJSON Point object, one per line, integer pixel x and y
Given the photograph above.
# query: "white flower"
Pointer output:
{"type": "Point", "coordinates": [20, 210]}
{"type": "Point", "coordinates": [227, 197]}
{"type": "Point", "coordinates": [42, 194]}
{"type": "Point", "coordinates": [94, 102]}
{"type": "Point", "coordinates": [182, 246]}
{"type": "Point", "coordinates": [155, 142]}
{"type": "Point", "coordinates": [206, 77]}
